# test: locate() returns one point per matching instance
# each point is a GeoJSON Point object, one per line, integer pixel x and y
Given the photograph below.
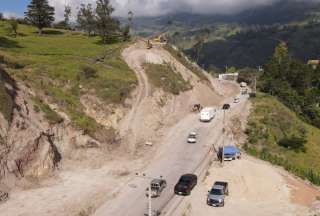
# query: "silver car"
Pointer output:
{"type": "Point", "coordinates": [192, 137]}
{"type": "Point", "coordinates": [216, 195]}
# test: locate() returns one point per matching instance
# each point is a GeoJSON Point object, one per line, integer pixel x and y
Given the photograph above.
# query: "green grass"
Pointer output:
{"type": "Point", "coordinates": [178, 55]}
{"type": "Point", "coordinates": [269, 122]}
{"type": "Point", "coordinates": [52, 64]}
{"type": "Point", "coordinates": [52, 116]}
{"type": "Point", "coordinates": [163, 76]}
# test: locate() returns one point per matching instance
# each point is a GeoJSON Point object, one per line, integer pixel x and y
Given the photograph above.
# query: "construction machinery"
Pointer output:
{"type": "Point", "coordinates": [161, 38]}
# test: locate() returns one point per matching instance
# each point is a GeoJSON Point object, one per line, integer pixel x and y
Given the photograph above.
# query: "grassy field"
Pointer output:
{"type": "Point", "coordinates": [56, 64]}
{"type": "Point", "coordinates": [163, 76]}
{"type": "Point", "coordinates": [269, 123]}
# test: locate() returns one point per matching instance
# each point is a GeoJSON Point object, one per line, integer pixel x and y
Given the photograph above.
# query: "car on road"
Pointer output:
{"type": "Point", "coordinates": [207, 114]}
{"type": "Point", "coordinates": [236, 100]}
{"type": "Point", "coordinates": [192, 137]}
{"type": "Point", "coordinates": [217, 194]}
{"type": "Point", "coordinates": [157, 186]}
{"type": "Point", "coordinates": [185, 184]}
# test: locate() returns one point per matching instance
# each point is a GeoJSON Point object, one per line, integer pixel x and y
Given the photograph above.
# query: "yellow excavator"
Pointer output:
{"type": "Point", "coordinates": [158, 39]}
{"type": "Point", "coordinates": [161, 38]}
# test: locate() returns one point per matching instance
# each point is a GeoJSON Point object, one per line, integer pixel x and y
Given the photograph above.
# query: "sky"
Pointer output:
{"type": "Point", "coordinates": [146, 7]}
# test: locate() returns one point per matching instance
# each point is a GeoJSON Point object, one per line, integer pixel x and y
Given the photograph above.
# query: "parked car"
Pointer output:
{"type": "Point", "coordinates": [236, 100]}
{"type": "Point", "coordinates": [231, 153]}
{"type": "Point", "coordinates": [192, 137]}
{"type": "Point", "coordinates": [157, 186]}
{"type": "Point", "coordinates": [185, 184]}
{"type": "Point", "coordinates": [217, 194]}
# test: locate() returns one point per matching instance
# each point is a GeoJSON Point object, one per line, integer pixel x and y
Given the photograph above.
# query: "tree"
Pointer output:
{"type": "Point", "coordinates": [130, 18]}
{"type": "Point", "coordinates": [86, 18]}
{"type": "Point", "coordinates": [201, 38]}
{"type": "Point", "coordinates": [107, 27]}
{"type": "Point", "coordinates": [281, 52]}
{"type": "Point", "coordinates": [67, 15]}
{"type": "Point", "coordinates": [126, 29]}
{"type": "Point", "coordinates": [126, 33]}
{"type": "Point", "coordinates": [40, 14]}
{"type": "Point", "coordinates": [1, 16]}
{"type": "Point", "coordinates": [14, 26]}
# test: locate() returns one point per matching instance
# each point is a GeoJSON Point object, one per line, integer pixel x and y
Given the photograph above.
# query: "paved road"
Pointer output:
{"type": "Point", "coordinates": [175, 158]}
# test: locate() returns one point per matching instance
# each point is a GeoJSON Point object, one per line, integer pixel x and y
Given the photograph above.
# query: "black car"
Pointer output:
{"type": "Point", "coordinates": [185, 184]}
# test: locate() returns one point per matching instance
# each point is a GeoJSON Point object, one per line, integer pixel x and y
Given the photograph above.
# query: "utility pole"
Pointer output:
{"type": "Point", "coordinates": [255, 84]}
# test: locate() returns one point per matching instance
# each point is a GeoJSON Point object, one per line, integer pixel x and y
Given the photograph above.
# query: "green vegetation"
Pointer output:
{"type": "Point", "coordinates": [49, 114]}
{"type": "Point", "coordinates": [277, 135]}
{"type": "Point", "coordinates": [196, 70]}
{"type": "Point", "coordinates": [296, 84]}
{"type": "Point", "coordinates": [252, 46]}
{"type": "Point", "coordinates": [163, 76]}
{"type": "Point", "coordinates": [40, 14]}
{"type": "Point", "coordinates": [63, 65]}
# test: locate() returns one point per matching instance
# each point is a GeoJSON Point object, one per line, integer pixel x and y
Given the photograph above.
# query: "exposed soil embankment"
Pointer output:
{"type": "Point", "coordinates": [153, 109]}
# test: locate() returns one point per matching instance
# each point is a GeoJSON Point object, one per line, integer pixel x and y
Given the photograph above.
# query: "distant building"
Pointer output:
{"type": "Point", "coordinates": [314, 63]}
{"type": "Point", "coordinates": [229, 76]}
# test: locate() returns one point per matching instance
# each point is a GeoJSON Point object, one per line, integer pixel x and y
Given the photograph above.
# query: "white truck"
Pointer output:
{"type": "Point", "coordinates": [243, 85]}
{"type": "Point", "coordinates": [207, 114]}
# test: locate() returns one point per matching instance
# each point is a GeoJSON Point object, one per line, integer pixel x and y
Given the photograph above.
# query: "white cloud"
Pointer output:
{"type": "Point", "coordinates": [8, 14]}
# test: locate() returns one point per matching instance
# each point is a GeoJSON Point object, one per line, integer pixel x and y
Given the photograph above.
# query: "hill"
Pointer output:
{"type": "Point", "coordinates": [61, 97]}
{"type": "Point", "coordinates": [273, 131]}
{"type": "Point", "coordinates": [243, 39]}
{"type": "Point", "coordinates": [63, 66]}
{"type": "Point", "coordinates": [253, 47]}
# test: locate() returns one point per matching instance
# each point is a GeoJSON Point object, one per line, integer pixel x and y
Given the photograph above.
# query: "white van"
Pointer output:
{"type": "Point", "coordinates": [207, 114]}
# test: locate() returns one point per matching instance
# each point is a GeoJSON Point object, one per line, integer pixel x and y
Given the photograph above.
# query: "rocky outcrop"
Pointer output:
{"type": "Point", "coordinates": [31, 148]}
{"type": "Point", "coordinates": [37, 158]}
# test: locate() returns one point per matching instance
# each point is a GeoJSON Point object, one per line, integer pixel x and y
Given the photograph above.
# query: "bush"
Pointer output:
{"type": "Point", "coordinates": [88, 72]}
{"type": "Point", "coordinates": [295, 143]}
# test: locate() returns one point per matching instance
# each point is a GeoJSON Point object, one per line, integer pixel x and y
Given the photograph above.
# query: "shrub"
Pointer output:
{"type": "Point", "coordinates": [88, 72]}
{"type": "Point", "coordinates": [295, 143]}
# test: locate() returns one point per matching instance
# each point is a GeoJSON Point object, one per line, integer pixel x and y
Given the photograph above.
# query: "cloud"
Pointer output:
{"type": "Point", "coordinates": [162, 7]}
{"type": "Point", "coordinates": [9, 14]}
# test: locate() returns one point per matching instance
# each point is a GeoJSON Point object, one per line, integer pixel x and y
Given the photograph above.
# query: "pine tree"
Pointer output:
{"type": "Point", "coordinates": [40, 14]}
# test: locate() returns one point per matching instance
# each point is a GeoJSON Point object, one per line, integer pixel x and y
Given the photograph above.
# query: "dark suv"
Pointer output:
{"type": "Point", "coordinates": [185, 184]}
